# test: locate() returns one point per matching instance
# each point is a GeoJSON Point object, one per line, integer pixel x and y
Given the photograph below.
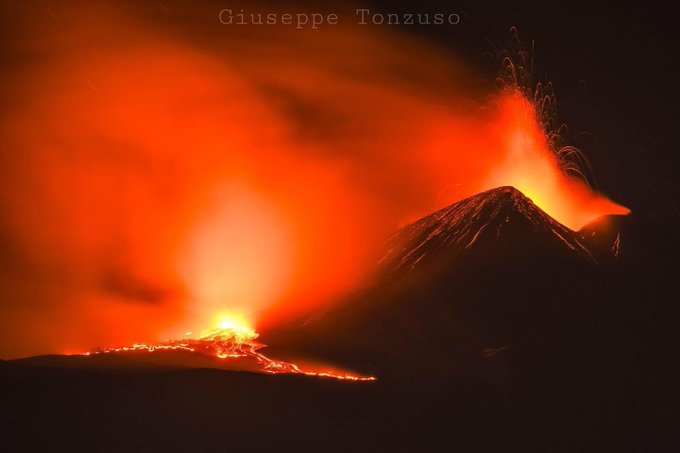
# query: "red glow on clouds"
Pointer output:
{"type": "Point", "coordinates": [157, 168]}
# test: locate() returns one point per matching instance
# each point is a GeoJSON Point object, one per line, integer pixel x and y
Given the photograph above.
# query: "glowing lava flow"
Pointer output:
{"type": "Point", "coordinates": [232, 342]}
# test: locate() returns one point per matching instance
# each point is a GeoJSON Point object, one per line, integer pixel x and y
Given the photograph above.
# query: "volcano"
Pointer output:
{"type": "Point", "coordinates": [459, 291]}
{"type": "Point", "coordinates": [496, 219]}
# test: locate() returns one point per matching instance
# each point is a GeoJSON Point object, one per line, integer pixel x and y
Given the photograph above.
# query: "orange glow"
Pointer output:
{"type": "Point", "coordinates": [238, 256]}
{"type": "Point", "coordinates": [531, 166]}
{"type": "Point", "coordinates": [157, 167]}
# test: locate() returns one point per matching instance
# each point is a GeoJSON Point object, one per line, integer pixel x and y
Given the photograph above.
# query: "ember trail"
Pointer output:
{"type": "Point", "coordinates": [231, 341]}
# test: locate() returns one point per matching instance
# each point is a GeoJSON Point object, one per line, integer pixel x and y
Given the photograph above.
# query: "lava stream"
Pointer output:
{"type": "Point", "coordinates": [232, 343]}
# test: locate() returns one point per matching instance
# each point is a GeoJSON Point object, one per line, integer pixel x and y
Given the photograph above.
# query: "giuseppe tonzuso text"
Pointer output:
{"type": "Point", "coordinates": [363, 16]}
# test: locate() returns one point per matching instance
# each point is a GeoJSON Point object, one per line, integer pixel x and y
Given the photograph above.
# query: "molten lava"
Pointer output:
{"type": "Point", "coordinates": [232, 341]}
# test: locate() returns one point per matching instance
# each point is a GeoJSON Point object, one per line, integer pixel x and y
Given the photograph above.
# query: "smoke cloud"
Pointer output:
{"type": "Point", "coordinates": [159, 169]}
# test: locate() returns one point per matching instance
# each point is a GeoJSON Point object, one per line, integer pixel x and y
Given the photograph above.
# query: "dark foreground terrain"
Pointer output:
{"type": "Point", "coordinates": [573, 409]}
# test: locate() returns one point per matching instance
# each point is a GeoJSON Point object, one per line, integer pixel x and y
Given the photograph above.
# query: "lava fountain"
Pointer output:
{"type": "Point", "coordinates": [531, 165]}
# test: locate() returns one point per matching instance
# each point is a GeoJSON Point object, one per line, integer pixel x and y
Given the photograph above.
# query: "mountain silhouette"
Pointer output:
{"type": "Point", "coordinates": [460, 291]}
{"type": "Point", "coordinates": [500, 219]}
